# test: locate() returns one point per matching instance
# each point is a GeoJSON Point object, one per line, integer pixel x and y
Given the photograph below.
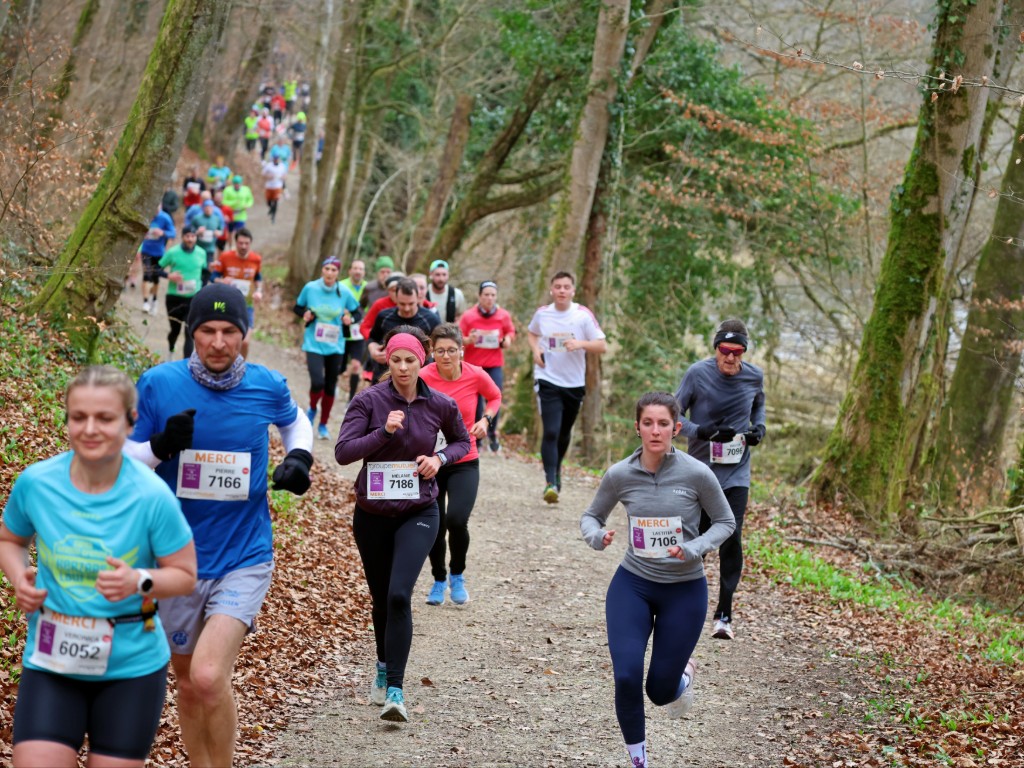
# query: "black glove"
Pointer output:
{"type": "Point", "coordinates": [176, 437]}
{"type": "Point", "coordinates": [292, 474]}
{"type": "Point", "coordinates": [716, 432]}
{"type": "Point", "coordinates": [755, 435]}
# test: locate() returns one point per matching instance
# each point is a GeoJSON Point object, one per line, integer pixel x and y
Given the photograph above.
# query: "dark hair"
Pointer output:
{"type": "Point", "coordinates": [448, 331]}
{"type": "Point", "coordinates": [412, 330]}
{"type": "Point", "coordinates": [407, 286]}
{"type": "Point", "coordinates": [657, 398]}
{"type": "Point", "coordinates": [243, 232]}
{"type": "Point", "coordinates": [560, 275]}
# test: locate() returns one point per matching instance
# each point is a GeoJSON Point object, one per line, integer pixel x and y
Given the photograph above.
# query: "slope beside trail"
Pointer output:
{"type": "Point", "coordinates": [521, 674]}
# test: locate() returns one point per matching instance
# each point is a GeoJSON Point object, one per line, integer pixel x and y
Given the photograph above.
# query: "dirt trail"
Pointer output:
{"type": "Point", "coordinates": [521, 675]}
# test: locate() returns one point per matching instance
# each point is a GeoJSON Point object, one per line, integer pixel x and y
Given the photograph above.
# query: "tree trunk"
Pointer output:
{"type": "Point", "coordinates": [302, 260]}
{"type": "Point", "coordinates": [231, 125]}
{"type": "Point", "coordinates": [67, 75]}
{"type": "Point", "coordinates": [334, 237]}
{"type": "Point", "coordinates": [876, 441]}
{"type": "Point", "coordinates": [197, 131]}
{"type": "Point", "coordinates": [565, 242]}
{"type": "Point", "coordinates": [447, 172]}
{"type": "Point", "coordinates": [88, 275]}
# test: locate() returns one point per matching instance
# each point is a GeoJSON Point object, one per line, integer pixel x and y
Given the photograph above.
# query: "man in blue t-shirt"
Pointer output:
{"type": "Point", "coordinates": [724, 400]}
{"type": "Point", "coordinates": [161, 229]}
{"type": "Point", "coordinates": [203, 426]}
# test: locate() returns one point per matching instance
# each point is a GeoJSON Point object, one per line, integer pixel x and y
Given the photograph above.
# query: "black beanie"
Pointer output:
{"type": "Point", "coordinates": [218, 301]}
{"type": "Point", "coordinates": [732, 331]}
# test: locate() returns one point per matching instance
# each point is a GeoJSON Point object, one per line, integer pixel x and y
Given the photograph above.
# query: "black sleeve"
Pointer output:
{"type": "Point", "coordinates": [299, 310]}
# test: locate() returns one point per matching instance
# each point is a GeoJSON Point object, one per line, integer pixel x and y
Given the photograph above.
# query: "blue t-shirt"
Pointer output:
{"type": "Point", "coordinates": [157, 245]}
{"type": "Point", "coordinates": [229, 534]}
{"type": "Point", "coordinates": [137, 520]}
{"type": "Point", "coordinates": [329, 305]}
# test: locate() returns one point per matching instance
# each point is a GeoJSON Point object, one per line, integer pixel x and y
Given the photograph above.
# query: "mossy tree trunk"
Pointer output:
{"type": "Point", "coordinates": [89, 272]}
{"type": "Point", "coordinates": [876, 441]}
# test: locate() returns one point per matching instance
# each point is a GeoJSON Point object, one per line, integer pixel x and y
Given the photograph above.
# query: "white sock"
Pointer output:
{"type": "Point", "coordinates": [637, 754]}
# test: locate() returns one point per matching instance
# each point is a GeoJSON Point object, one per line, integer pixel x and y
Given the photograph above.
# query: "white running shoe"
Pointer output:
{"type": "Point", "coordinates": [379, 688]}
{"type": "Point", "coordinates": [682, 705]}
{"type": "Point", "coordinates": [723, 630]}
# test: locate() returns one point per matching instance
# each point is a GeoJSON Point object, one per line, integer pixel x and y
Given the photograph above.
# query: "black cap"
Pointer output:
{"type": "Point", "coordinates": [218, 301]}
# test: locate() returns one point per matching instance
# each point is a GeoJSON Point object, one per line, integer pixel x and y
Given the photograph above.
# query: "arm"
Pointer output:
{"type": "Point", "coordinates": [534, 339]}
{"type": "Point", "coordinates": [298, 434]}
{"type": "Point", "coordinates": [15, 564]}
{"type": "Point", "coordinates": [454, 430]}
{"type": "Point", "coordinates": [354, 442]}
{"type": "Point", "coordinates": [508, 331]}
{"type": "Point", "coordinates": [712, 500]}
{"type": "Point", "coordinates": [487, 389]}
{"type": "Point", "coordinates": [598, 346]}
{"type": "Point", "coordinates": [596, 515]}
{"type": "Point", "coordinates": [175, 576]}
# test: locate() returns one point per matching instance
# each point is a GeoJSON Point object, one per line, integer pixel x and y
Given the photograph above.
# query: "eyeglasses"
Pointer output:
{"type": "Point", "coordinates": [446, 352]}
{"type": "Point", "coordinates": [731, 351]}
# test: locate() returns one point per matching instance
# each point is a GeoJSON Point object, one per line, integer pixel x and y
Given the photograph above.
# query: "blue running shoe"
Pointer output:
{"type": "Point", "coordinates": [324, 434]}
{"type": "Point", "coordinates": [311, 415]}
{"type": "Point", "coordinates": [458, 585]}
{"type": "Point", "coordinates": [379, 689]}
{"type": "Point", "coordinates": [394, 707]}
{"type": "Point", "coordinates": [436, 596]}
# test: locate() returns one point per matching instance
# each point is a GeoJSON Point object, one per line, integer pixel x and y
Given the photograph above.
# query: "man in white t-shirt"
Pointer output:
{"type": "Point", "coordinates": [274, 172]}
{"type": "Point", "coordinates": [450, 301]}
{"type": "Point", "coordinates": [561, 334]}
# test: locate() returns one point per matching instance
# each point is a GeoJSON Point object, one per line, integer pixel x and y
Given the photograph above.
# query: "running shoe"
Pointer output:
{"type": "Point", "coordinates": [683, 704]}
{"type": "Point", "coordinates": [154, 308]}
{"type": "Point", "coordinates": [379, 689]}
{"type": "Point", "coordinates": [495, 446]}
{"type": "Point", "coordinates": [311, 415]}
{"type": "Point", "coordinates": [723, 629]}
{"type": "Point", "coordinates": [394, 707]}
{"type": "Point", "coordinates": [145, 306]}
{"type": "Point", "coordinates": [458, 585]}
{"type": "Point", "coordinates": [436, 596]}
{"type": "Point", "coordinates": [322, 431]}
{"type": "Point", "coordinates": [551, 494]}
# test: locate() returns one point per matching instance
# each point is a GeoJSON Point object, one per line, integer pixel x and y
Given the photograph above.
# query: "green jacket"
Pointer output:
{"type": "Point", "coordinates": [239, 200]}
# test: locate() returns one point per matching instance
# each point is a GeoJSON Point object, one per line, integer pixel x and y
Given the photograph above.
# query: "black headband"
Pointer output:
{"type": "Point", "coordinates": [732, 337]}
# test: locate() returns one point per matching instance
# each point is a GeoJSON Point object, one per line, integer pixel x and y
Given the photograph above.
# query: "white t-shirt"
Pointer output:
{"type": "Point", "coordinates": [441, 299]}
{"type": "Point", "coordinates": [561, 367]}
{"type": "Point", "coordinates": [274, 175]}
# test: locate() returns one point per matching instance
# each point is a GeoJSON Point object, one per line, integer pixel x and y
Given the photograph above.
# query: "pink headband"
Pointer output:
{"type": "Point", "coordinates": [406, 341]}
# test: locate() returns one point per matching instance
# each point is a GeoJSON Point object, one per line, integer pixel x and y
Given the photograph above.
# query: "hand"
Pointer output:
{"type": "Point", "coordinates": [677, 552]}
{"type": "Point", "coordinates": [427, 466]}
{"type": "Point", "coordinates": [380, 355]}
{"type": "Point", "coordinates": [755, 435]}
{"type": "Point", "coordinates": [257, 296]}
{"type": "Point", "coordinates": [479, 430]}
{"type": "Point", "coordinates": [346, 319]}
{"type": "Point", "coordinates": [571, 345]}
{"type": "Point", "coordinates": [394, 422]}
{"type": "Point", "coordinates": [27, 597]}
{"type": "Point", "coordinates": [176, 437]}
{"type": "Point", "coordinates": [307, 316]}
{"type": "Point", "coordinates": [716, 432]}
{"type": "Point", "coordinates": [292, 474]}
{"type": "Point", "coordinates": [538, 357]}
{"type": "Point", "coordinates": [121, 582]}
{"type": "Point", "coordinates": [608, 536]}
{"type": "Point", "coordinates": [174, 277]}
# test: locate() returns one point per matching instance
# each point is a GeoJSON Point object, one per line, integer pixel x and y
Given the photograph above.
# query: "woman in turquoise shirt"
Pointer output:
{"type": "Point", "coordinates": [110, 539]}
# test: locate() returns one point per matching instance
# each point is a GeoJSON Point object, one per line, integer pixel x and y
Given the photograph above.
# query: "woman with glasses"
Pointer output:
{"type": "Point", "coordinates": [457, 482]}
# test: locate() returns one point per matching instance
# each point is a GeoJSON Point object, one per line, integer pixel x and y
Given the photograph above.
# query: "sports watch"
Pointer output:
{"type": "Point", "coordinates": [145, 585]}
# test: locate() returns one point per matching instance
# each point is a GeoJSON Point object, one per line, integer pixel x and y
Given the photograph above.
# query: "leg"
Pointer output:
{"type": "Point", "coordinates": [374, 537]}
{"type": "Point", "coordinates": [437, 551]}
{"type": "Point", "coordinates": [50, 720]}
{"type": "Point", "coordinates": [332, 368]}
{"type": "Point", "coordinates": [497, 375]}
{"type": "Point", "coordinates": [206, 702]}
{"type": "Point", "coordinates": [572, 399]}
{"type": "Point", "coordinates": [630, 619]}
{"type": "Point", "coordinates": [550, 403]}
{"type": "Point", "coordinates": [316, 367]}
{"type": "Point", "coordinates": [731, 554]}
{"type": "Point", "coordinates": [122, 736]}
{"type": "Point", "coordinates": [679, 611]}
{"type": "Point", "coordinates": [177, 315]}
{"type": "Point", "coordinates": [463, 484]}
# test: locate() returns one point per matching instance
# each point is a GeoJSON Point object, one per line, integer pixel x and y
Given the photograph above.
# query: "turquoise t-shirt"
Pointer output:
{"type": "Point", "coordinates": [190, 264]}
{"type": "Point", "coordinates": [323, 335]}
{"type": "Point", "coordinates": [137, 520]}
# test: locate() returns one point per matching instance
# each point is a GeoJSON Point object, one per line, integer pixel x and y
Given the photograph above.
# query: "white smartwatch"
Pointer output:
{"type": "Point", "coordinates": [145, 585]}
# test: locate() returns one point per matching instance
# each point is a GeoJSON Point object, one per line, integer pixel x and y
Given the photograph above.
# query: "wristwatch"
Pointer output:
{"type": "Point", "coordinates": [145, 585]}
{"type": "Point", "coordinates": [490, 420]}
{"type": "Point", "coordinates": [442, 457]}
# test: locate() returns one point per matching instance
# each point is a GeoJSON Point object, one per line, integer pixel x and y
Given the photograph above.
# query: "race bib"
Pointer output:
{"type": "Point", "coordinates": [328, 333]}
{"type": "Point", "coordinates": [206, 237]}
{"type": "Point", "coordinates": [556, 341]}
{"type": "Point", "coordinates": [354, 332]}
{"type": "Point", "coordinates": [193, 187]}
{"type": "Point", "coordinates": [652, 536]}
{"type": "Point", "coordinates": [441, 442]}
{"type": "Point", "coordinates": [392, 480]}
{"type": "Point", "coordinates": [488, 339]}
{"type": "Point", "coordinates": [242, 285]}
{"type": "Point", "coordinates": [187, 286]}
{"type": "Point", "coordinates": [72, 645]}
{"type": "Point", "coordinates": [213, 475]}
{"type": "Point", "coordinates": [728, 453]}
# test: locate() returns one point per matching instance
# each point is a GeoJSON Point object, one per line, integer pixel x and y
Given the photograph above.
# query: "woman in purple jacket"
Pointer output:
{"type": "Point", "coordinates": [393, 428]}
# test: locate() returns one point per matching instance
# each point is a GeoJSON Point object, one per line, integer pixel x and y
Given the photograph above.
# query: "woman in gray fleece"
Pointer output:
{"type": "Point", "coordinates": [660, 586]}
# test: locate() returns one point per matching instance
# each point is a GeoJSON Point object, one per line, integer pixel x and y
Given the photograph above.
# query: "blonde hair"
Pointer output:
{"type": "Point", "coordinates": [106, 376]}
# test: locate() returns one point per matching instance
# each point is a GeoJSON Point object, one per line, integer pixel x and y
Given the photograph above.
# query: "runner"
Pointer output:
{"type": "Point", "coordinates": [489, 331]}
{"type": "Point", "coordinates": [387, 301]}
{"type": "Point", "coordinates": [209, 226]}
{"type": "Point", "coordinates": [725, 401]}
{"type": "Point", "coordinates": [298, 134]}
{"type": "Point", "coordinates": [449, 300]}
{"type": "Point", "coordinates": [561, 334]}
{"type": "Point", "coordinates": [395, 519]}
{"type": "Point", "coordinates": [238, 197]}
{"type": "Point", "coordinates": [215, 457]}
{"type": "Point", "coordinates": [274, 172]}
{"type": "Point", "coordinates": [355, 343]}
{"type": "Point", "coordinates": [382, 268]}
{"type": "Point", "coordinates": [240, 269]}
{"type": "Point", "coordinates": [406, 312]}
{"type": "Point", "coordinates": [161, 229]}
{"type": "Point", "coordinates": [185, 264]}
{"type": "Point", "coordinates": [192, 187]}
{"type": "Point", "coordinates": [110, 539]}
{"type": "Point", "coordinates": [289, 87]}
{"type": "Point", "coordinates": [326, 307]}
{"type": "Point", "coordinates": [277, 106]}
{"type": "Point", "coordinates": [660, 585]}
{"type": "Point", "coordinates": [421, 291]}
{"type": "Point", "coordinates": [252, 133]}
{"type": "Point", "coordinates": [229, 217]}
{"type": "Point", "coordinates": [218, 176]}
{"type": "Point", "coordinates": [281, 150]}
{"type": "Point", "coordinates": [457, 482]}
{"type": "Point", "coordinates": [265, 130]}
